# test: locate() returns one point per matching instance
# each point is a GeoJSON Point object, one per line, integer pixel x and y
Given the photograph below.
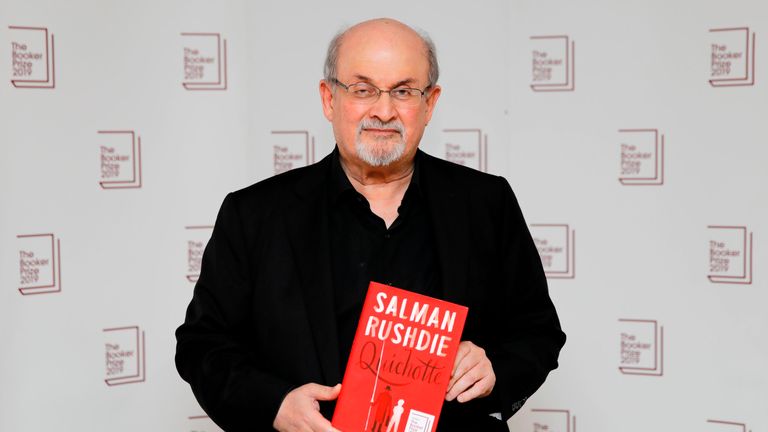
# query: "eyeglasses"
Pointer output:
{"type": "Point", "coordinates": [368, 93]}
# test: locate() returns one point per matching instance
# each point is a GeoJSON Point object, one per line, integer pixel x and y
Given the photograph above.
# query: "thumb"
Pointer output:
{"type": "Point", "coordinates": [328, 393]}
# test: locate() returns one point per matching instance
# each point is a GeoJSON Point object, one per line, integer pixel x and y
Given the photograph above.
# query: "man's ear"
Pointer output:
{"type": "Point", "coordinates": [432, 97]}
{"type": "Point", "coordinates": [326, 97]}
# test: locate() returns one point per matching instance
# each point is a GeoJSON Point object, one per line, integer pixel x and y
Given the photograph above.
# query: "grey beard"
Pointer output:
{"type": "Point", "coordinates": [377, 154]}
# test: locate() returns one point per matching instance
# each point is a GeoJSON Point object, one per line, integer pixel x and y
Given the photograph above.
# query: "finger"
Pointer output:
{"type": "Point", "coordinates": [465, 382]}
{"type": "Point", "coordinates": [464, 349]}
{"type": "Point", "coordinates": [481, 388]}
{"type": "Point", "coordinates": [468, 363]}
{"type": "Point", "coordinates": [325, 393]}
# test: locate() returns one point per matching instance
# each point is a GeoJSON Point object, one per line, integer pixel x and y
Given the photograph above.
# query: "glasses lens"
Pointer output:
{"type": "Point", "coordinates": [401, 96]}
{"type": "Point", "coordinates": [363, 91]}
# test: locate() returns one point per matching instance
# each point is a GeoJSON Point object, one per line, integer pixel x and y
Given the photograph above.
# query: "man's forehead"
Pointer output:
{"type": "Point", "coordinates": [383, 50]}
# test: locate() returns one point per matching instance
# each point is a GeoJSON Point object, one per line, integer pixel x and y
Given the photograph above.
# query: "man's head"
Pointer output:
{"type": "Point", "coordinates": [379, 54]}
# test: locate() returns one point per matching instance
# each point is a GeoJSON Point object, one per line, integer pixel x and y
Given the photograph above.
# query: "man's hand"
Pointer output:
{"type": "Point", "coordinates": [472, 375]}
{"type": "Point", "coordinates": [300, 411]}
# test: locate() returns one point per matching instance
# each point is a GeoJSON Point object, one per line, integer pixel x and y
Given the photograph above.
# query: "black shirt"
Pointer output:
{"type": "Point", "coordinates": [364, 250]}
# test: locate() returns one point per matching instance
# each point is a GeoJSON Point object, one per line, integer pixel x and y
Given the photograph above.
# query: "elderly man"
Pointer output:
{"type": "Point", "coordinates": [271, 322]}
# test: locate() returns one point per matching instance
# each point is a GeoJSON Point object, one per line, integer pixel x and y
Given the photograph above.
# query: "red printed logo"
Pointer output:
{"type": "Point", "coordinates": [39, 264]}
{"type": "Point", "coordinates": [205, 61]}
{"type": "Point", "coordinates": [726, 426]}
{"type": "Point", "coordinates": [33, 61]}
{"type": "Point", "coordinates": [730, 255]}
{"type": "Point", "coordinates": [120, 157]}
{"type": "Point", "coordinates": [554, 63]}
{"type": "Point", "coordinates": [642, 347]}
{"type": "Point", "coordinates": [732, 61]}
{"type": "Point", "coordinates": [556, 244]}
{"type": "Point", "coordinates": [292, 149]}
{"type": "Point", "coordinates": [124, 354]}
{"type": "Point", "coordinates": [552, 420]}
{"type": "Point", "coordinates": [202, 423]}
{"type": "Point", "coordinates": [197, 239]}
{"type": "Point", "coordinates": [642, 157]}
{"type": "Point", "coordinates": [468, 147]}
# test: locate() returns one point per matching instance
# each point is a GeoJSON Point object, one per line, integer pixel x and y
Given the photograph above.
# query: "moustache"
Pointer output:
{"type": "Point", "coordinates": [373, 123]}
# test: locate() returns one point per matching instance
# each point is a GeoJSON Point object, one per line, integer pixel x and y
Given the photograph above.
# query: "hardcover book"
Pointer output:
{"type": "Point", "coordinates": [400, 363]}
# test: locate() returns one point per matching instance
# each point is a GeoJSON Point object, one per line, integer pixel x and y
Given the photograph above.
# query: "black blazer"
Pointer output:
{"type": "Point", "coordinates": [262, 321]}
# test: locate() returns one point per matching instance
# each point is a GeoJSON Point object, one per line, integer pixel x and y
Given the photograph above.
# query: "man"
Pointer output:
{"type": "Point", "coordinates": [267, 333]}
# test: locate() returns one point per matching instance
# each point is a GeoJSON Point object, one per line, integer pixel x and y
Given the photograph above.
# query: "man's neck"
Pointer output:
{"type": "Point", "coordinates": [379, 182]}
{"type": "Point", "coordinates": [383, 187]}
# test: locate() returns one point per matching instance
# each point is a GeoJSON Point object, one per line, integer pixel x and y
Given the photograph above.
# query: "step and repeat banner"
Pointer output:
{"type": "Point", "coordinates": [634, 136]}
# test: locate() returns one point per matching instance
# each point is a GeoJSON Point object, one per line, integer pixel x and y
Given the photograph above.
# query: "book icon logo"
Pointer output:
{"type": "Point", "coordinates": [292, 149]}
{"type": "Point", "coordinates": [726, 426]}
{"type": "Point", "coordinates": [552, 420]}
{"type": "Point", "coordinates": [730, 254]}
{"type": "Point", "coordinates": [553, 63]}
{"type": "Point", "coordinates": [202, 423]}
{"type": "Point", "coordinates": [205, 61]}
{"type": "Point", "coordinates": [197, 239]}
{"type": "Point", "coordinates": [642, 157]}
{"type": "Point", "coordinates": [556, 244]}
{"type": "Point", "coordinates": [33, 60]}
{"type": "Point", "coordinates": [419, 421]}
{"type": "Point", "coordinates": [124, 355]}
{"type": "Point", "coordinates": [39, 264]}
{"type": "Point", "coordinates": [642, 347]}
{"type": "Point", "coordinates": [120, 159]}
{"type": "Point", "coordinates": [732, 59]}
{"type": "Point", "coordinates": [468, 147]}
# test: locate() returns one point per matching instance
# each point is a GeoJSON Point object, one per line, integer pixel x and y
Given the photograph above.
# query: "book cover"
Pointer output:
{"type": "Point", "coordinates": [400, 363]}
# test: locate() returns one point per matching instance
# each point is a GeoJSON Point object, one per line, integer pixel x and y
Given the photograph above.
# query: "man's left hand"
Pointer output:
{"type": "Point", "coordinates": [472, 375]}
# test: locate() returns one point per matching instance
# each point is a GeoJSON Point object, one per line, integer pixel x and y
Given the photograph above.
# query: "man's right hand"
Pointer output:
{"type": "Point", "coordinates": [300, 411]}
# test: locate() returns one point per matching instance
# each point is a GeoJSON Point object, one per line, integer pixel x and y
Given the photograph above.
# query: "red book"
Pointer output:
{"type": "Point", "coordinates": [400, 364]}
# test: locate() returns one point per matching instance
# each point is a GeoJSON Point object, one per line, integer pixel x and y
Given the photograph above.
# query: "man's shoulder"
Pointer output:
{"type": "Point", "coordinates": [459, 176]}
{"type": "Point", "coordinates": [284, 188]}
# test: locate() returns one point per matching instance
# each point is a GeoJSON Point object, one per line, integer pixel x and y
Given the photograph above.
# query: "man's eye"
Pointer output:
{"type": "Point", "coordinates": [401, 92]}
{"type": "Point", "coordinates": [363, 92]}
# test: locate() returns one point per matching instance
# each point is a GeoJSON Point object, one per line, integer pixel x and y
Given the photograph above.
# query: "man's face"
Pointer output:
{"type": "Point", "coordinates": [386, 55]}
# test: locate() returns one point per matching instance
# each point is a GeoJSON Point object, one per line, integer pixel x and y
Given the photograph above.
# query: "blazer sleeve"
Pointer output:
{"type": "Point", "coordinates": [212, 352]}
{"type": "Point", "coordinates": [532, 339]}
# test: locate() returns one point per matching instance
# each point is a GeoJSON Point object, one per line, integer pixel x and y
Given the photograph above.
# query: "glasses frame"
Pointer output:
{"type": "Point", "coordinates": [380, 91]}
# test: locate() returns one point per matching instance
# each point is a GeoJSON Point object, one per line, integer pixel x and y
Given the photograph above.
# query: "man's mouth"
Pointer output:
{"type": "Point", "coordinates": [381, 131]}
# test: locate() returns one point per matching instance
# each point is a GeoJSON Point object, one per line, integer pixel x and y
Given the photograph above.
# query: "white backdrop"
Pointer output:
{"type": "Point", "coordinates": [639, 163]}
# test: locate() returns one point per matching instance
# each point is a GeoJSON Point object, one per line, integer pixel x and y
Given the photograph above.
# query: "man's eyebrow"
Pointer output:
{"type": "Point", "coordinates": [407, 81]}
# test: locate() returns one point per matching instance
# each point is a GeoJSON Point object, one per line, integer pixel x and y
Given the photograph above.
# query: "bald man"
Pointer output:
{"type": "Point", "coordinates": [284, 276]}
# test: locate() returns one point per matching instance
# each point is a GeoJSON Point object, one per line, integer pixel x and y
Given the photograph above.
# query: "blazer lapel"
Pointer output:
{"type": "Point", "coordinates": [309, 238]}
{"type": "Point", "coordinates": [449, 213]}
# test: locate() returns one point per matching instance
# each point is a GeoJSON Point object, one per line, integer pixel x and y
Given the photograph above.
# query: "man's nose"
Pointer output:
{"type": "Point", "coordinates": [383, 108]}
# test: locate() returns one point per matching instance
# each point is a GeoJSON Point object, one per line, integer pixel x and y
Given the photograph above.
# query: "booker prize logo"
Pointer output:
{"type": "Point", "coordinates": [732, 59]}
{"type": "Point", "coordinates": [205, 61]}
{"type": "Point", "coordinates": [553, 63]}
{"type": "Point", "coordinates": [642, 157]}
{"type": "Point", "coordinates": [642, 347]}
{"type": "Point", "coordinates": [468, 147]}
{"type": "Point", "coordinates": [197, 239]}
{"type": "Point", "coordinates": [39, 264]}
{"type": "Point", "coordinates": [552, 420]}
{"type": "Point", "coordinates": [556, 244]}
{"type": "Point", "coordinates": [730, 254]}
{"type": "Point", "coordinates": [726, 426]}
{"type": "Point", "coordinates": [120, 159]}
{"type": "Point", "coordinates": [292, 149]}
{"type": "Point", "coordinates": [124, 355]}
{"type": "Point", "coordinates": [201, 423]}
{"type": "Point", "coordinates": [33, 62]}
